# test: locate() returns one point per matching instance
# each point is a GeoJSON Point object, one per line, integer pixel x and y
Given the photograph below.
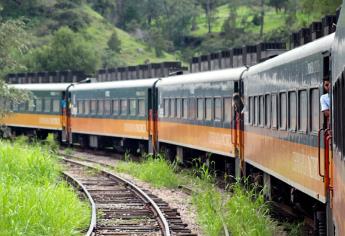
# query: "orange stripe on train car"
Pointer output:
{"type": "Point", "coordinates": [207, 138]}
{"type": "Point", "coordinates": [43, 121]}
{"type": "Point", "coordinates": [339, 194]}
{"type": "Point", "coordinates": [295, 164]}
{"type": "Point", "coordinates": [110, 127]}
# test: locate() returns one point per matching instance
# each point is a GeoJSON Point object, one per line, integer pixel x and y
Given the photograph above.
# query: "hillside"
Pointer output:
{"type": "Point", "coordinates": [90, 34]}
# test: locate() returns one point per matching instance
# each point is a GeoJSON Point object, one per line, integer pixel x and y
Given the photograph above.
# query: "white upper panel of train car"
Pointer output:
{"type": "Point", "coordinates": [318, 46]}
{"type": "Point", "coordinates": [41, 87]}
{"type": "Point", "coordinates": [143, 83]}
{"type": "Point", "coordinates": [203, 77]}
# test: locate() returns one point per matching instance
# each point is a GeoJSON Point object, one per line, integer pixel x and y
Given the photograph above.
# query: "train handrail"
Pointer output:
{"type": "Point", "coordinates": [319, 152]}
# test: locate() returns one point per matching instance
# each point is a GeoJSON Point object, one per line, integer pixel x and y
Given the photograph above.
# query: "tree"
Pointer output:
{"type": "Point", "coordinates": [210, 8]}
{"type": "Point", "coordinates": [114, 42]}
{"type": "Point", "coordinates": [320, 6]}
{"type": "Point", "coordinates": [67, 51]}
{"type": "Point", "coordinates": [12, 41]}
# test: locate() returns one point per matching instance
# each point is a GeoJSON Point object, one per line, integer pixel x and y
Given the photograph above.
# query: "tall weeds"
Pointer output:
{"type": "Point", "coordinates": [33, 201]}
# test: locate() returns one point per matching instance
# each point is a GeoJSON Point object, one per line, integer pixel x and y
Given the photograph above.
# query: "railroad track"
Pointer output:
{"type": "Point", "coordinates": [122, 208]}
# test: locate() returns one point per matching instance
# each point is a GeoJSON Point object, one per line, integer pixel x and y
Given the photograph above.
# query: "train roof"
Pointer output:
{"type": "Point", "coordinates": [41, 87]}
{"type": "Point", "coordinates": [201, 77]}
{"type": "Point", "coordinates": [143, 83]}
{"type": "Point", "coordinates": [317, 46]}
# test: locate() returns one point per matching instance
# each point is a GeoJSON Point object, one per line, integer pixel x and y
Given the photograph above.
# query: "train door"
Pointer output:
{"type": "Point", "coordinates": [64, 117]}
{"type": "Point", "coordinates": [325, 142]}
{"type": "Point", "coordinates": [152, 118]}
{"type": "Point", "coordinates": [237, 129]}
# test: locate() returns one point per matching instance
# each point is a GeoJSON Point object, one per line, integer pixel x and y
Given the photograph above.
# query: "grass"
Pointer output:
{"type": "Point", "coordinates": [33, 200]}
{"type": "Point", "coordinates": [156, 171]}
{"type": "Point", "coordinates": [244, 212]}
{"type": "Point", "coordinates": [273, 20]}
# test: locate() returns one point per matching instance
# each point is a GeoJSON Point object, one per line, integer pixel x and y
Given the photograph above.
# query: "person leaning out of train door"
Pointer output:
{"type": "Point", "coordinates": [325, 101]}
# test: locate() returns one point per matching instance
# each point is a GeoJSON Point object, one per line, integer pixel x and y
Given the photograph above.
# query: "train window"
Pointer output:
{"type": "Point", "coordinates": [31, 105]}
{"type": "Point", "coordinates": [87, 107]}
{"type": "Point", "coordinates": [218, 109]}
{"type": "Point", "coordinates": [208, 109]}
{"type": "Point", "coordinates": [47, 105]}
{"type": "Point", "coordinates": [178, 107]}
{"type": "Point", "coordinates": [256, 110]}
{"type": "Point", "coordinates": [100, 110]}
{"type": "Point", "coordinates": [132, 107]}
{"type": "Point", "coordinates": [124, 106]}
{"type": "Point", "coordinates": [274, 111]}
{"type": "Point", "coordinates": [22, 106]}
{"type": "Point", "coordinates": [227, 109]}
{"type": "Point", "coordinates": [251, 110]}
{"type": "Point", "coordinates": [116, 107]}
{"type": "Point", "coordinates": [141, 106]}
{"type": "Point", "coordinates": [261, 111]}
{"type": "Point", "coordinates": [185, 108]}
{"type": "Point", "coordinates": [267, 110]}
{"type": "Point", "coordinates": [166, 107]}
{"type": "Point", "coordinates": [302, 110]}
{"type": "Point", "coordinates": [200, 109]}
{"type": "Point", "coordinates": [93, 106]}
{"type": "Point", "coordinates": [56, 105]}
{"type": "Point", "coordinates": [107, 107]}
{"type": "Point", "coordinates": [292, 110]}
{"type": "Point", "coordinates": [15, 106]}
{"type": "Point", "coordinates": [173, 107]}
{"type": "Point", "coordinates": [315, 110]}
{"type": "Point", "coordinates": [38, 105]}
{"type": "Point", "coordinates": [192, 108]}
{"type": "Point", "coordinates": [282, 110]}
{"type": "Point", "coordinates": [80, 107]}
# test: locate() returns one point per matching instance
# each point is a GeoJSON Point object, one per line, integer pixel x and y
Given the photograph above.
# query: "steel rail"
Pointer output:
{"type": "Point", "coordinates": [76, 183]}
{"type": "Point", "coordinates": [153, 206]}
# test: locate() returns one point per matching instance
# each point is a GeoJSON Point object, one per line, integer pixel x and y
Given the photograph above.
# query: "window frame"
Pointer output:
{"type": "Point", "coordinates": [299, 130]}
{"type": "Point", "coordinates": [280, 111]}
{"type": "Point", "coordinates": [261, 122]}
{"type": "Point", "coordinates": [130, 106]}
{"type": "Point", "coordinates": [221, 109]}
{"type": "Point", "coordinates": [292, 129]}
{"type": "Point", "coordinates": [202, 99]}
{"type": "Point", "coordinates": [117, 111]}
{"type": "Point", "coordinates": [274, 118]}
{"type": "Point", "coordinates": [310, 115]}
{"type": "Point", "coordinates": [266, 121]}
{"type": "Point", "coordinates": [211, 109]}
{"type": "Point", "coordinates": [127, 107]}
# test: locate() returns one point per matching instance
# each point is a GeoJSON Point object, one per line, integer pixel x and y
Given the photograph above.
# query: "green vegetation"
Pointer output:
{"type": "Point", "coordinates": [33, 200]}
{"type": "Point", "coordinates": [243, 211]}
{"type": "Point", "coordinates": [156, 171]}
{"type": "Point", "coordinates": [126, 32]}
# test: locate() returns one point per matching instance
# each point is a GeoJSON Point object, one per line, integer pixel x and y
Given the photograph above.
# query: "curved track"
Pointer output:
{"type": "Point", "coordinates": [122, 208]}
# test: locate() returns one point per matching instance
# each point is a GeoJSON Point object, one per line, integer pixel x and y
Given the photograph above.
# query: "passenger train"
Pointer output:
{"type": "Point", "coordinates": [280, 132]}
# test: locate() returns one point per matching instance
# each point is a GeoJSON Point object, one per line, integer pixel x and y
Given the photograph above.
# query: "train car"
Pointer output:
{"type": "Point", "coordinates": [113, 114]}
{"type": "Point", "coordinates": [338, 126]}
{"type": "Point", "coordinates": [283, 119]}
{"type": "Point", "coordinates": [195, 111]}
{"type": "Point", "coordinates": [41, 115]}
